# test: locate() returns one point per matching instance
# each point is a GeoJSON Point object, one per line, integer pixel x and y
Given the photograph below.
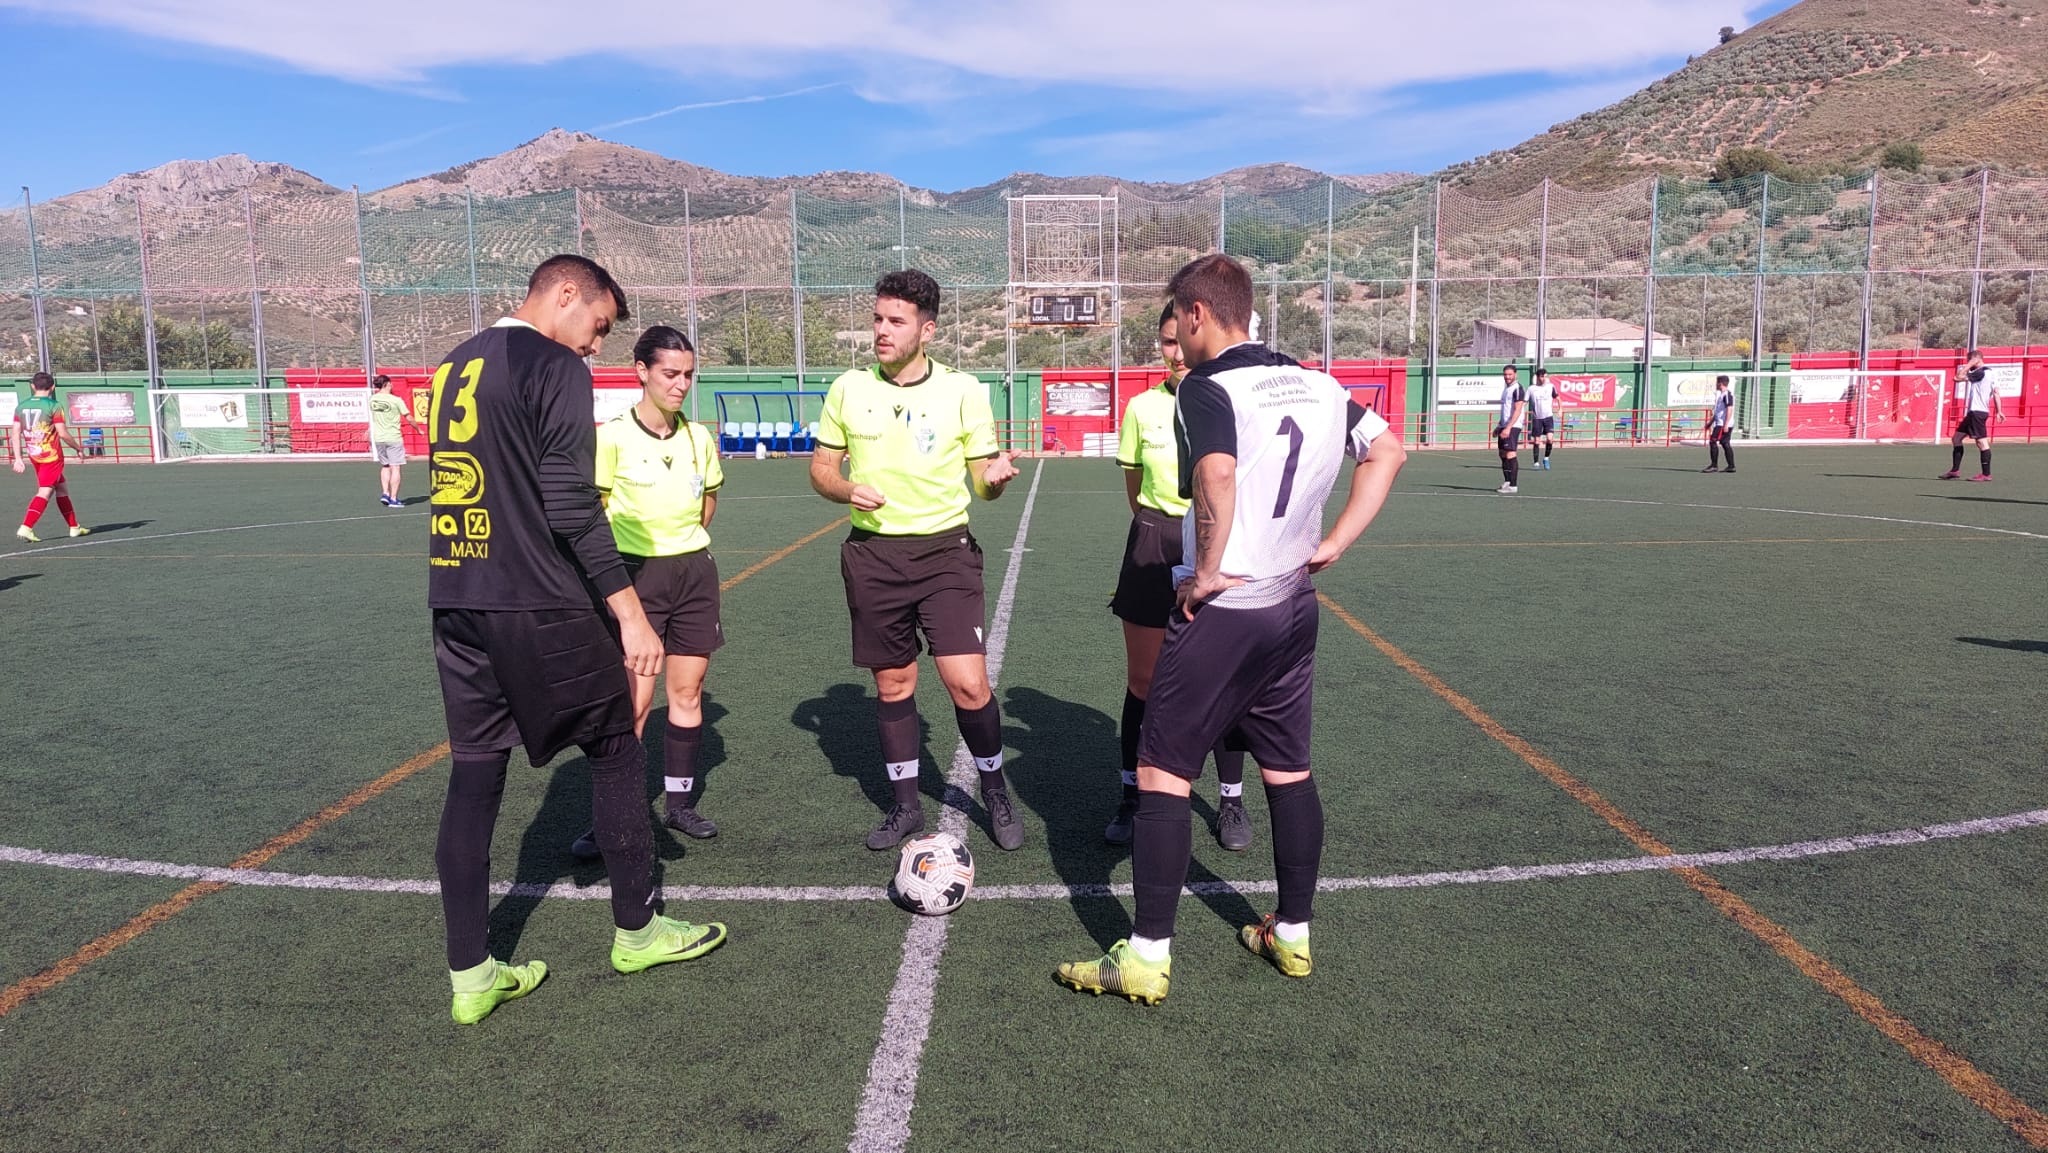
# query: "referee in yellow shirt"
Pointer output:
{"type": "Point", "coordinates": [1150, 455]}
{"type": "Point", "coordinates": [908, 430]}
{"type": "Point", "coordinates": [660, 477]}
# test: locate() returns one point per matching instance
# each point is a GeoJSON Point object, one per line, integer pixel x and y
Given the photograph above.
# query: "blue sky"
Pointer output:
{"type": "Point", "coordinates": [943, 95]}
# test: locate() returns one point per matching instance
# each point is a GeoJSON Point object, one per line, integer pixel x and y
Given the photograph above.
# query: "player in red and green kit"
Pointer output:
{"type": "Point", "coordinates": [37, 437]}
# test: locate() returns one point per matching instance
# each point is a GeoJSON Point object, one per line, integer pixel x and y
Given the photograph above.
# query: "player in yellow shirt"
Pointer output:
{"type": "Point", "coordinates": [660, 477]}
{"type": "Point", "coordinates": [1150, 455]}
{"type": "Point", "coordinates": [908, 431]}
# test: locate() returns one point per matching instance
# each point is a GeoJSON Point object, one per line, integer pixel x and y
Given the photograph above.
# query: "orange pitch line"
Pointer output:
{"type": "Point", "coordinates": [1974, 1084]}
{"type": "Point", "coordinates": [17, 994]}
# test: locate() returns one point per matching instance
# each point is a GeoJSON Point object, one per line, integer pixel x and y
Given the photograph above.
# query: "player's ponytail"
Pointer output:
{"type": "Point", "coordinates": [655, 340]}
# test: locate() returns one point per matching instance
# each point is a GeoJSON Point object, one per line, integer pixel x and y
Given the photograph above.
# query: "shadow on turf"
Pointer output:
{"type": "Point", "coordinates": [844, 722]}
{"type": "Point", "coordinates": [1066, 772]}
{"type": "Point", "coordinates": [565, 813]}
{"type": "Point", "coordinates": [13, 581]}
{"type": "Point", "coordinates": [1989, 499]}
{"type": "Point", "coordinates": [1872, 476]}
{"type": "Point", "coordinates": [120, 526]}
{"type": "Point", "coordinates": [2017, 646]}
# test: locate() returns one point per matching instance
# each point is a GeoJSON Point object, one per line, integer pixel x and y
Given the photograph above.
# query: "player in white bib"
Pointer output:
{"type": "Point", "coordinates": [1980, 407]}
{"type": "Point", "coordinates": [1542, 398]}
{"type": "Point", "coordinates": [1507, 431]}
{"type": "Point", "coordinates": [1721, 427]}
{"type": "Point", "coordinates": [1262, 442]}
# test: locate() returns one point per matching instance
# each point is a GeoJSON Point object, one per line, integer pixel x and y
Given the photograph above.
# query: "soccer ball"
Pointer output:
{"type": "Point", "coordinates": [934, 874]}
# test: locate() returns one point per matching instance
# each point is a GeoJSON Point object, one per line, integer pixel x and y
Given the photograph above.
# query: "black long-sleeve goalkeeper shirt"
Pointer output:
{"type": "Point", "coordinates": [516, 520]}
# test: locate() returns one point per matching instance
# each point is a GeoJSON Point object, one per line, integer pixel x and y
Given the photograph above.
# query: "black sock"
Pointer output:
{"type": "Point", "coordinates": [1161, 843]}
{"type": "Point", "coordinates": [1713, 452]}
{"type": "Point", "coordinates": [1549, 449]}
{"type": "Point", "coordinates": [981, 730]}
{"type": "Point", "coordinates": [618, 809]}
{"type": "Point", "coordinates": [1728, 449]}
{"type": "Point", "coordinates": [900, 739]}
{"type": "Point", "coordinates": [1955, 463]}
{"type": "Point", "coordinates": [1984, 460]}
{"type": "Point", "coordinates": [1514, 469]}
{"type": "Point", "coordinates": [1506, 469]}
{"type": "Point", "coordinates": [679, 764]}
{"type": "Point", "coordinates": [1229, 769]}
{"type": "Point", "coordinates": [1296, 812]}
{"type": "Point", "coordinates": [1134, 722]}
{"type": "Point", "coordinates": [462, 855]}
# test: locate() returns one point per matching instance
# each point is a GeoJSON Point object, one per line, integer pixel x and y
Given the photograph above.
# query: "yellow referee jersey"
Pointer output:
{"type": "Point", "coordinates": [656, 484]}
{"type": "Point", "coordinates": [912, 442]}
{"type": "Point", "coordinates": [1146, 444]}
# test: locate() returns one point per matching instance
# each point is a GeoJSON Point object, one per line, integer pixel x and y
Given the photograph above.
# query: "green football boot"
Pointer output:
{"type": "Point", "coordinates": [511, 983]}
{"type": "Point", "coordinates": [671, 940]}
{"type": "Point", "coordinates": [1120, 971]}
{"type": "Point", "coordinates": [1290, 957]}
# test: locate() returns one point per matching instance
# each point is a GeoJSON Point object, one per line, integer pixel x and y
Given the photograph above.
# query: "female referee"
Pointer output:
{"type": "Point", "coordinates": [1148, 451]}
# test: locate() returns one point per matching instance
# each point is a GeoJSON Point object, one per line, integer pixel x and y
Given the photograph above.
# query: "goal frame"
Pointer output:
{"type": "Point", "coordinates": [277, 422]}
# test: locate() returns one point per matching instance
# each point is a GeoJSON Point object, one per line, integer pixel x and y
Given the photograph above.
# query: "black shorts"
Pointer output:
{"type": "Point", "coordinates": [899, 585]}
{"type": "Point", "coordinates": [1251, 670]}
{"type": "Point", "coordinates": [1975, 426]}
{"type": "Point", "coordinates": [545, 678]}
{"type": "Point", "coordinates": [680, 596]}
{"type": "Point", "coordinates": [1542, 426]}
{"type": "Point", "coordinates": [1144, 587]}
{"type": "Point", "coordinates": [1510, 440]}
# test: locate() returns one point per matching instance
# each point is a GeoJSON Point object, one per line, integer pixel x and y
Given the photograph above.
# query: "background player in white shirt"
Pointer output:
{"type": "Point", "coordinates": [1542, 397]}
{"type": "Point", "coordinates": [1721, 427]}
{"type": "Point", "coordinates": [1980, 407]}
{"type": "Point", "coordinates": [1507, 431]}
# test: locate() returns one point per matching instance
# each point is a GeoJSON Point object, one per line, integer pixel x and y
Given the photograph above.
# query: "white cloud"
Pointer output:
{"type": "Point", "coordinates": [1317, 51]}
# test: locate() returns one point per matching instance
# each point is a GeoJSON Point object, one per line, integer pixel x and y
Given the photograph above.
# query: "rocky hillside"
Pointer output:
{"type": "Point", "coordinates": [1826, 83]}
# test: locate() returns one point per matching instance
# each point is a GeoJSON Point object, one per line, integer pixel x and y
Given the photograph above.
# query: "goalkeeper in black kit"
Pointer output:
{"type": "Point", "coordinates": [536, 623]}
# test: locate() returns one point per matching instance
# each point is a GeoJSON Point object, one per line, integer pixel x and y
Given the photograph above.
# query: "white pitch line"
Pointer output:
{"type": "Point", "coordinates": [883, 1123]}
{"type": "Point", "coordinates": [198, 532]}
{"type": "Point", "coordinates": [1747, 508]}
{"type": "Point", "coordinates": [1496, 875]}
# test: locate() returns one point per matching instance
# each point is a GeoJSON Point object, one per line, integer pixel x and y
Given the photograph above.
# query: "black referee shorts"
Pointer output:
{"type": "Point", "coordinates": [1974, 426]}
{"type": "Point", "coordinates": [680, 596]}
{"type": "Point", "coordinates": [544, 678]}
{"type": "Point", "coordinates": [898, 586]}
{"type": "Point", "coordinates": [1144, 587]}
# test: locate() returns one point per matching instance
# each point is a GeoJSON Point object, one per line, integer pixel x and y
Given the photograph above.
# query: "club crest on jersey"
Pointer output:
{"type": "Point", "coordinates": [697, 487]}
{"type": "Point", "coordinates": [926, 439]}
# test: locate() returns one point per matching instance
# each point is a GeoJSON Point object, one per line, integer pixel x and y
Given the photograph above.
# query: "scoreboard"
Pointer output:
{"type": "Point", "coordinates": [1075, 310]}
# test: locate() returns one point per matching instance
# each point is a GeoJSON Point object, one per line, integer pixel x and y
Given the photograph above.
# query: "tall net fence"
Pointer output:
{"type": "Point", "coordinates": [240, 284]}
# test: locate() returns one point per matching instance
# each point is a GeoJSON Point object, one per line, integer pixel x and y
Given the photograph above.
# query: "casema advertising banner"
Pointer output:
{"type": "Point", "coordinates": [1078, 398]}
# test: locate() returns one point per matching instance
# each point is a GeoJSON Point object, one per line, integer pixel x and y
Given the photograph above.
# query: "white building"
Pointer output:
{"type": "Point", "coordinates": [1563, 339]}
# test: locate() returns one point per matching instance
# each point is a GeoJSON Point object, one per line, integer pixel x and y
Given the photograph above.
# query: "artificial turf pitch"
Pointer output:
{"type": "Point", "coordinates": [1699, 653]}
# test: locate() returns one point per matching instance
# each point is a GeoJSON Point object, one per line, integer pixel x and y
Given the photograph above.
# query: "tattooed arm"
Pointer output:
{"type": "Point", "coordinates": [1215, 505]}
